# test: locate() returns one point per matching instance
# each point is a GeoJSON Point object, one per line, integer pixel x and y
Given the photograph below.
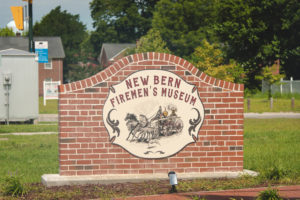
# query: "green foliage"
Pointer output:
{"type": "Point", "coordinates": [5, 32]}
{"type": "Point", "coordinates": [152, 42]}
{"type": "Point", "coordinates": [184, 24]}
{"type": "Point", "coordinates": [77, 72]}
{"type": "Point", "coordinates": [69, 28]}
{"type": "Point", "coordinates": [275, 173]}
{"type": "Point", "coordinates": [271, 148]}
{"type": "Point", "coordinates": [209, 58]}
{"type": "Point", "coordinates": [120, 20]}
{"type": "Point", "coordinates": [32, 156]}
{"type": "Point", "coordinates": [13, 186]}
{"type": "Point", "coordinates": [184, 187]}
{"type": "Point", "coordinates": [196, 197]}
{"type": "Point", "coordinates": [269, 194]}
{"type": "Point", "coordinates": [86, 49]}
{"type": "Point", "coordinates": [256, 33]}
{"type": "Point", "coordinates": [270, 77]}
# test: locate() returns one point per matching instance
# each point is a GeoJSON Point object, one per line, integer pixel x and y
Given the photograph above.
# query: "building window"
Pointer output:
{"type": "Point", "coordinates": [48, 65]}
{"type": "Point", "coordinates": [48, 80]}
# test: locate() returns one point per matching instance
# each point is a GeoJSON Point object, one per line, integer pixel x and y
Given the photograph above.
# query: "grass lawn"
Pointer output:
{"type": "Point", "coordinates": [267, 143]}
{"type": "Point", "coordinates": [17, 128]}
{"type": "Point", "coordinates": [259, 105]}
{"type": "Point", "coordinates": [29, 156]}
{"type": "Point", "coordinates": [50, 108]}
{"type": "Point", "coordinates": [272, 143]}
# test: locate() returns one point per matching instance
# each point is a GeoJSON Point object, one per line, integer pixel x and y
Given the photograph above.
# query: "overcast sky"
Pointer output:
{"type": "Point", "coordinates": [43, 7]}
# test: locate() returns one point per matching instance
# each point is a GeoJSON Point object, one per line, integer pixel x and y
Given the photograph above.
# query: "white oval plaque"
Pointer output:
{"type": "Point", "coordinates": [153, 114]}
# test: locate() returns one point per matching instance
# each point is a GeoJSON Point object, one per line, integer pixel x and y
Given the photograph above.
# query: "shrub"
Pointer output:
{"type": "Point", "coordinates": [269, 194]}
{"type": "Point", "coordinates": [12, 186]}
{"type": "Point", "coordinates": [275, 173]}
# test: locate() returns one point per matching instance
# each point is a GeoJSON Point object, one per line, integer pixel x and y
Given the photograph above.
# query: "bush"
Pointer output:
{"type": "Point", "coordinates": [13, 186]}
{"type": "Point", "coordinates": [275, 173]}
{"type": "Point", "coordinates": [269, 194]}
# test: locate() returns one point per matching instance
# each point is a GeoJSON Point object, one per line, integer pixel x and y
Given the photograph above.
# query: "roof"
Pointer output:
{"type": "Point", "coordinates": [55, 47]}
{"type": "Point", "coordinates": [13, 52]}
{"type": "Point", "coordinates": [113, 49]}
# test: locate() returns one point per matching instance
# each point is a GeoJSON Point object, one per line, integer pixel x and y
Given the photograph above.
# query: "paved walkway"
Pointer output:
{"type": "Point", "coordinates": [33, 133]}
{"type": "Point", "coordinates": [270, 115]}
{"type": "Point", "coordinates": [286, 192]}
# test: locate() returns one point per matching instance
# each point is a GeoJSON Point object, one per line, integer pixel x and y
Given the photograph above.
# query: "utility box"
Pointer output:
{"type": "Point", "coordinates": [19, 100]}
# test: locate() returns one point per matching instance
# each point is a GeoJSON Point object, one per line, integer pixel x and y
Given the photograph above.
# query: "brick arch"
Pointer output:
{"type": "Point", "coordinates": [150, 60]}
{"type": "Point", "coordinates": [84, 145]}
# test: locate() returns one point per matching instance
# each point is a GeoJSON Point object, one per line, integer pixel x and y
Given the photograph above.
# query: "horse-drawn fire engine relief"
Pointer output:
{"type": "Point", "coordinates": [153, 114]}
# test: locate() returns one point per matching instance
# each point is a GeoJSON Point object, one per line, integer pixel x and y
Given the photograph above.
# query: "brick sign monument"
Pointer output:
{"type": "Point", "coordinates": [148, 114]}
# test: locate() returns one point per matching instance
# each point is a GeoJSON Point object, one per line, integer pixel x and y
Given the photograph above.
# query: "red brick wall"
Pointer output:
{"type": "Point", "coordinates": [84, 146]}
{"type": "Point", "coordinates": [56, 73]}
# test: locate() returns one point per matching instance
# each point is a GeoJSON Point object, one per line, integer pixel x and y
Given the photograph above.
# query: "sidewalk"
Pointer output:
{"type": "Point", "coordinates": [286, 192]}
{"type": "Point", "coordinates": [271, 115]}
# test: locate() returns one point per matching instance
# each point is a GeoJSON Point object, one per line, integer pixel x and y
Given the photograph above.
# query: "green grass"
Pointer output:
{"type": "Point", "coordinates": [272, 143]}
{"type": "Point", "coordinates": [29, 156]}
{"type": "Point", "coordinates": [259, 105]}
{"type": "Point", "coordinates": [267, 143]}
{"type": "Point", "coordinates": [50, 108]}
{"type": "Point", "coordinates": [17, 128]}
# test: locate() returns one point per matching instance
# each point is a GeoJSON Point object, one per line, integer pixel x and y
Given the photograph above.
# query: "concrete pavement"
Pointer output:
{"type": "Point", "coordinates": [272, 115]}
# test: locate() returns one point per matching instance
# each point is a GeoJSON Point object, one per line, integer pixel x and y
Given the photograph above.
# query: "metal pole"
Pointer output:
{"type": "Point", "coordinates": [30, 33]}
{"type": "Point", "coordinates": [7, 104]}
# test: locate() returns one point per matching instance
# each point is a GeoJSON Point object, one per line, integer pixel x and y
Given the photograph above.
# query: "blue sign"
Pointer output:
{"type": "Point", "coordinates": [42, 55]}
{"type": "Point", "coordinates": [41, 48]}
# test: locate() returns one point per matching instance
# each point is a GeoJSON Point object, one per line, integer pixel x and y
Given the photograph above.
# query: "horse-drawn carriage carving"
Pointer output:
{"type": "Point", "coordinates": [145, 129]}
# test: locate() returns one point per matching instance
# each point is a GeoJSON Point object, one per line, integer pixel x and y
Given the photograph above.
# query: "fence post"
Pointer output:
{"type": "Point", "coordinates": [293, 103]}
{"type": "Point", "coordinates": [248, 105]}
{"type": "Point", "coordinates": [271, 103]}
{"type": "Point", "coordinates": [291, 85]}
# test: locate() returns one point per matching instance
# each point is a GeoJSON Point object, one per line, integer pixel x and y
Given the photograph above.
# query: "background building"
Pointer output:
{"type": "Point", "coordinates": [51, 71]}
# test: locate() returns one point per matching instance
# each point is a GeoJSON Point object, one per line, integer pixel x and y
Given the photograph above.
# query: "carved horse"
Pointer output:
{"type": "Point", "coordinates": [140, 130]}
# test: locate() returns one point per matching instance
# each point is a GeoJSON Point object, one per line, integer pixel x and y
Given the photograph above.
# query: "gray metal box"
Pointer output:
{"type": "Point", "coordinates": [19, 70]}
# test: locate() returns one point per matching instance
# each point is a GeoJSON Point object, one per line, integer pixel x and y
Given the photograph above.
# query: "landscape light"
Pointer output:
{"type": "Point", "coordinates": [173, 181]}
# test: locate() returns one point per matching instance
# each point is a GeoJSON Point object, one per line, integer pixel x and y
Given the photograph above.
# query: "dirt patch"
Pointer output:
{"type": "Point", "coordinates": [122, 190]}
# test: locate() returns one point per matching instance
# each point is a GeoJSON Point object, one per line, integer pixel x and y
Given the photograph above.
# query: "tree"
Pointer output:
{"type": "Point", "coordinates": [86, 49]}
{"type": "Point", "coordinates": [152, 42]}
{"type": "Point", "coordinates": [184, 24]}
{"type": "Point", "coordinates": [5, 32]}
{"type": "Point", "coordinates": [258, 32]}
{"type": "Point", "coordinates": [121, 21]}
{"type": "Point", "coordinates": [68, 27]}
{"type": "Point", "coordinates": [210, 59]}
{"type": "Point", "coordinates": [270, 77]}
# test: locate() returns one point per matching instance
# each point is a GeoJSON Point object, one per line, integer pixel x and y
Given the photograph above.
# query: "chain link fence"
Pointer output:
{"type": "Point", "coordinates": [282, 87]}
